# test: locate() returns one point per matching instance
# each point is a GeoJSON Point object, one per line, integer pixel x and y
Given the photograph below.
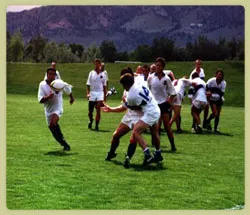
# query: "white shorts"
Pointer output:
{"type": "Point", "coordinates": [152, 117]}
{"type": "Point", "coordinates": [131, 117]}
{"type": "Point", "coordinates": [177, 100]}
{"type": "Point", "coordinates": [199, 104]}
{"type": "Point", "coordinates": [96, 96]}
{"type": "Point", "coordinates": [48, 115]}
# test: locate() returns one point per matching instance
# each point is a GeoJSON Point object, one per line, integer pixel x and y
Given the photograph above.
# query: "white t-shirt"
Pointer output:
{"type": "Point", "coordinates": [161, 89]}
{"type": "Point", "coordinates": [201, 74]}
{"type": "Point", "coordinates": [214, 88]}
{"type": "Point", "coordinates": [180, 85]}
{"type": "Point", "coordinates": [57, 75]}
{"type": "Point", "coordinates": [96, 81]}
{"type": "Point", "coordinates": [200, 94]}
{"type": "Point", "coordinates": [52, 105]}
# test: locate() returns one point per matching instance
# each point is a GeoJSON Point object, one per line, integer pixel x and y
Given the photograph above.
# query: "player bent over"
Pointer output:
{"type": "Point", "coordinates": [215, 87]}
{"type": "Point", "coordinates": [140, 97]}
{"type": "Point", "coordinates": [199, 101]}
{"type": "Point", "coordinates": [53, 106]}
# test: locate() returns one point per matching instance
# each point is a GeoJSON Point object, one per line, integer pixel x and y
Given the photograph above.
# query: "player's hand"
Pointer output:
{"type": "Point", "coordinates": [50, 96]}
{"type": "Point", "coordinates": [87, 96]}
{"type": "Point", "coordinates": [105, 108]}
{"type": "Point", "coordinates": [71, 100]}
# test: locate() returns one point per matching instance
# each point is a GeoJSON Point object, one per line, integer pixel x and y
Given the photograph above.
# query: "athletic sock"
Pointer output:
{"type": "Point", "coordinates": [216, 122]}
{"type": "Point", "coordinates": [146, 151]}
{"type": "Point", "coordinates": [131, 150]}
{"type": "Point", "coordinates": [171, 140]}
{"type": "Point", "coordinates": [56, 131]}
{"type": "Point", "coordinates": [114, 146]}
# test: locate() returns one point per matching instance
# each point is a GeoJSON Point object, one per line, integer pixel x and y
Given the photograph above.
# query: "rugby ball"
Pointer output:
{"type": "Point", "coordinates": [57, 85]}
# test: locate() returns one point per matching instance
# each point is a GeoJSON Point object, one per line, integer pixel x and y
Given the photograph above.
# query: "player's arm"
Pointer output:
{"type": "Point", "coordinates": [88, 92]}
{"type": "Point", "coordinates": [118, 109]}
{"type": "Point", "coordinates": [105, 92]}
{"type": "Point", "coordinates": [47, 97]}
{"type": "Point", "coordinates": [171, 91]}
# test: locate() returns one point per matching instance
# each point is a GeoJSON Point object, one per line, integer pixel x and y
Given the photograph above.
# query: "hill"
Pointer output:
{"type": "Point", "coordinates": [128, 26]}
{"type": "Point", "coordinates": [23, 78]}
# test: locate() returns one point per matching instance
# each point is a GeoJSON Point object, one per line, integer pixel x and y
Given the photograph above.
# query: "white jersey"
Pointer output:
{"type": "Point", "coordinates": [139, 79]}
{"type": "Point", "coordinates": [201, 74]}
{"type": "Point", "coordinates": [53, 105]}
{"type": "Point", "coordinates": [96, 81]}
{"type": "Point", "coordinates": [200, 94]}
{"type": "Point", "coordinates": [106, 74]}
{"type": "Point", "coordinates": [161, 89]}
{"type": "Point", "coordinates": [57, 75]}
{"type": "Point", "coordinates": [180, 85]}
{"type": "Point", "coordinates": [140, 96]}
{"type": "Point", "coordinates": [216, 89]}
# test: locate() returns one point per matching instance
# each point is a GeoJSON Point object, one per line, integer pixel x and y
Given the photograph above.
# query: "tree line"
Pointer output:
{"type": "Point", "coordinates": [41, 50]}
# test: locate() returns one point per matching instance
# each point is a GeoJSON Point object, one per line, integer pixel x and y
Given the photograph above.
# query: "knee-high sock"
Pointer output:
{"type": "Point", "coordinates": [131, 149]}
{"type": "Point", "coordinates": [56, 131]}
{"type": "Point", "coordinates": [216, 122]}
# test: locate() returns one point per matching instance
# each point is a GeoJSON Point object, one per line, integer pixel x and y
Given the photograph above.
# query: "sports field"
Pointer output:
{"type": "Point", "coordinates": [207, 171]}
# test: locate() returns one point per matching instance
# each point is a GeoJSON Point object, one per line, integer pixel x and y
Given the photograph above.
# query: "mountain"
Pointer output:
{"type": "Point", "coordinates": [128, 26]}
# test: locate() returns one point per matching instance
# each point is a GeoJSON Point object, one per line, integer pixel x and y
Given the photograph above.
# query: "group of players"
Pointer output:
{"type": "Point", "coordinates": [150, 95]}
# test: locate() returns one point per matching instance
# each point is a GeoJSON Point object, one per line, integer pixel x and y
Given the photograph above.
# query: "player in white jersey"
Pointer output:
{"type": "Point", "coordinates": [96, 93]}
{"type": "Point", "coordinates": [163, 92]}
{"type": "Point", "coordinates": [216, 87]}
{"type": "Point", "coordinates": [140, 97]}
{"type": "Point", "coordinates": [105, 72]}
{"type": "Point", "coordinates": [199, 100]}
{"type": "Point", "coordinates": [130, 118]}
{"type": "Point", "coordinates": [180, 86]}
{"type": "Point", "coordinates": [53, 65]}
{"type": "Point", "coordinates": [53, 106]}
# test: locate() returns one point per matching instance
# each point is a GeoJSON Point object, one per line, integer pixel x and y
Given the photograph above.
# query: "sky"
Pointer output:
{"type": "Point", "coordinates": [17, 8]}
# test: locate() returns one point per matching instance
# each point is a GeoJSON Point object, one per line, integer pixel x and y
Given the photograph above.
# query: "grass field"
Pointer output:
{"type": "Point", "coordinates": [207, 172]}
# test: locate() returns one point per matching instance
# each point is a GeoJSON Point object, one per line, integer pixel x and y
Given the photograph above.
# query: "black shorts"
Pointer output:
{"type": "Point", "coordinates": [165, 107]}
{"type": "Point", "coordinates": [217, 103]}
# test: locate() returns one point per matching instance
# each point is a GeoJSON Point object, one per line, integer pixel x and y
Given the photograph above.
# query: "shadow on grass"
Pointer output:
{"type": "Point", "coordinates": [59, 153]}
{"type": "Point", "coordinates": [205, 132]}
{"type": "Point", "coordinates": [100, 130]}
{"type": "Point", "coordinates": [139, 167]}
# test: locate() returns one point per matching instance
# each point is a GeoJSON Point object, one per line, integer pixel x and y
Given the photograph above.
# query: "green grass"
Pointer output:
{"type": "Point", "coordinates": [207, 172]}
{"type": "Point", "coordinates": [24, 78]}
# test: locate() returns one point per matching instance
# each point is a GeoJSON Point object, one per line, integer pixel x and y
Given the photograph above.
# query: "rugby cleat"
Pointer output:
{"type": "Point", "coordinates": [126, 163]}
{"type": "Point", "coordinates": [147, 159]}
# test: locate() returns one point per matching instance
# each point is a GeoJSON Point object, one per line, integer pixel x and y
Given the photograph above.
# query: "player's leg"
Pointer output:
{"type": "Point", "coordinates": [217, 118]}
{"type": "Point", "coordinates": [139, 127]}
{"type": "Point", "coordinates": [196, 117]}
{"type": "Point", "coordinates": [56, 131]}
{"type": "Point", "coordinates": [119, 132]}
{"type": "Point", "coordinates": [156, 139]}
{"type": "Point", "coordinates": [99, 104]}
{"type": "Point", "coordinates": [165, 118]}
{"type": "Point", "coordinates": [90, 113]}
{"type": "Point", "coordinates": [212, 115]}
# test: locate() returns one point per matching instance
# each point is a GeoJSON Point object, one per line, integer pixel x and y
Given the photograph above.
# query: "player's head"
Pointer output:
{"type": "Point", "coordinates": [195, 75]}
{"type": "Point", "coordinates": [127, 70]}
{"type": "Point", "coordinates": [219, 74]}
{"type": "Point", "coordinates": [53, 64]}
{"type": "Point", "coordinates": [51, 74]}
{"type": "Point", "coordinates": [198, 63]}
{"type": "Point", "coordinates": [146, 70]}
{"type": "Point", "coordinates": [97, 63]}
{"type": "Point", "coordinates": [139, 70]}
{"type": "Point", "coordinates": [127, 80]}
{"type": "Point", "coordinates": [160, 63]}
{"type": "Point", "coordinates": [152, 68]}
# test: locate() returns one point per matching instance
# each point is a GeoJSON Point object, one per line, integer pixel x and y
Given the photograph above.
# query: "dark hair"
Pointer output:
{"type": "Point", "coordinates": [97, 60]}
{"type": "Point", "coordinates": [127, 70]}
{"type": "Point", "coordinates": [161, 60]}
{"type": "Point", "coordinates": [127, 79]}
{"type": "Point", "coordinates": [145, 66]}
{"type": "Point", "coordinates": [221, 71]}
{"type": "Point", "coordinates": [195, 75]}
{"type": "Point", "coordinates": [51, 69]}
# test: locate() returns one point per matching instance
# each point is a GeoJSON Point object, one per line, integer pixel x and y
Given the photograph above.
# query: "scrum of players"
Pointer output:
{"type": "Point", "coordinates": [152, 97]}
